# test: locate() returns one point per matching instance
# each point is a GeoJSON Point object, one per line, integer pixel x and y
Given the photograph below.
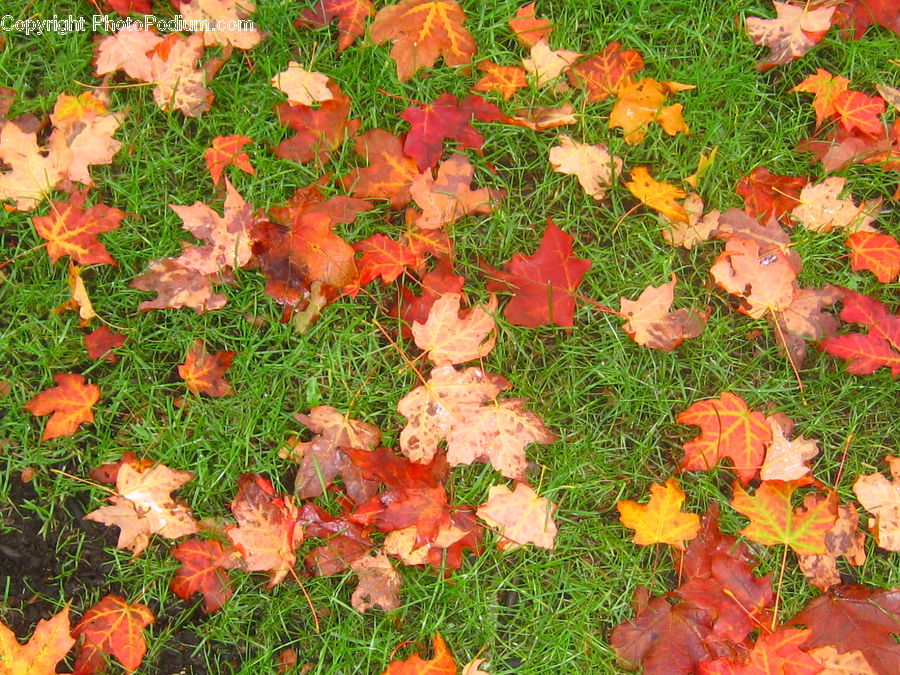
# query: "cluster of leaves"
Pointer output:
{"type": "Point", "coordinates": [396, 506]}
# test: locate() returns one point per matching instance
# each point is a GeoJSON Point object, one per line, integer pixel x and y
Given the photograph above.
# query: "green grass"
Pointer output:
{"type": "Point", "coordinates": [612, 401]}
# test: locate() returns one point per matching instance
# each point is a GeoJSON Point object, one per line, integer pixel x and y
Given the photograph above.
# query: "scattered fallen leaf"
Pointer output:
{"type": "Point", "coordinates": [379, 583]}
{"type": "Point", "coordinates": [660, 521]}
{"type": "Point", "coordinates": [303, 87]}
{"type": "Point", "coordinates": [881, 497]}
{"type": "Point", "coordinates": [227, 151]}
{"type": "Point", "coordinates": [651, 324]}
{"type": "Point", "coordinates": [594, 166]}
{"type": "Point", "coordinates": [112, 627]}
{"type": "Point", "coordinates": [71, 402]}
{"type": "Point", "coordinates": [204, 373]}
{"type": "Point", "coordinates": [520, 517]}
{"type": "Point", "coordinates": [46, 647]}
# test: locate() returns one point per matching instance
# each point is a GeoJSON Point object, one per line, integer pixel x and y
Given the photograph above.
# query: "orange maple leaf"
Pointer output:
{"type": "Point", "coordinates": [441, 664]}
{"type": "Point", "coordinates": [47, 646]}
{"type": "Point", "coordinates": [527, 28]}
{"type": "Point", "coordinates": [504, 79]}
{"type": "Point", "coordinates": [70, 401]}
{"type": "Point", "coordinates": [826, 88]}
{"type": "Point", "coordinates": [350, 15]}
{"type": "Point", "coordinates": [657, 195]}
{"type": "Point", "coordinates": [858, 112]}
{"type": "Point", "coordinates": [641, 104]}
{"type": "Point", "coordinates": [390, 171]}
{"type": "Point", "coordinates": [203, 565]}
{"type": "Point", "coordinates": [422, 31]}
{"type": "Point", "coordinates": [660, 521]}
{"type": "Point", "coordinates": [204, 373]}
{"type": "Point", "coordinates": [112, 627]}
{"type": "Point", "coordinates": [728, 429]}
{"type": "Point", "coordinates": [879, 253]}
{"type": "Point", "coordinates": [449, 197]}
{"type": "Point", "coordinates": [226, 151]}
{"type": "Point", "coordinates": [777, 652]}
{"type": "Point", "coordinates": [603, 75]}
{"type": "Point", "coordinates": [449, 338]}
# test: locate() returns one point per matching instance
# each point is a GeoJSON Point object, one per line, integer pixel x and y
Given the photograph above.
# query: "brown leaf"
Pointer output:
{"type": "Point", "coordinates": [379, 583]}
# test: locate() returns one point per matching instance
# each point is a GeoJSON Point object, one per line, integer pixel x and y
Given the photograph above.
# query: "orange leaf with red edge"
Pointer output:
{"type": "Point", "coordinates": [543, 284]}
{"type": "Point", "coordinates": [46, 647]}
{"type": "Point", "coordinates": [350, 15]}
{"type": "Point", "coordinates": [441, 664]}
{"type": "Point", "coordinates": [603, 75]}
{"type": "Point", "coordinates": [101, 342]}
{"type": "Point", "coordinates": [71, 229]}
{"type": "Point", "coordinates": [390, 171]}
{"type": "Point", "coordinates": [867, 352]}
{"type": "Point", "coordinates": [772, 654]}
{"type": "Point", "coordinates": [204, 373]}
{"type": "Point", "coordinates": [858, 112]}
{"type": "Point", "coordinates": [227, 151]}
{"type": "Point", "coordinates": [769, 196]}
{"type": "Point", "coordinates": [774, 521]}
{"type": "Point", "coordinates": [527, 27]}
{"type": "Point", "coordinates": [879, 253]}
{"type": "Point", "coordinates": [728, 428]}
{"type": "Point", "coordinates": [320, 131]}
{"type": "Point", "coordinates": [444, 119]}
{"type": "Point", "coordinates": [826, 88]}
{"type": "Point", "coordinates": [504, 79]}
{"type": "Point", "coordinates": [112, 627]}
{"type": "Point", "coordinates": [203, 565]}
{"type": "Point", "coordinates": [382, 257]}
{"type": "Point", "coordinates": [71, 402]}
{"type": "Point", "coordinates": [267, 534]}
{"type": "Point", "coordinates": [661, 520]}
{"type": "Point", "coordinates": [421, 31]}
{"type": "Point", "coordinates": [659, 196]}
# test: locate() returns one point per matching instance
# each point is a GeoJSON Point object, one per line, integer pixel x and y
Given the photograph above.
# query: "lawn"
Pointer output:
{"type": "Point", "coordinates": [611, 402]}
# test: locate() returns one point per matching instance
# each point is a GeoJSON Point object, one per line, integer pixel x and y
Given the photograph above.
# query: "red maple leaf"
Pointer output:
{"type": "Point", "coordinates": [204, 373]}
{"type": "Point", "coordinates": [602, 74]}
{"type": "Point", "coordinates": [350, 15]}
{"type": "Point", "coordinates": [382, 257]}
{"type": "Point", "coordinates": [858, 112]}
{"type": "Point", "coordinates": [225, 151]}
{"type": "Point", "coordinates": [435, 283]}
{"type": "Point", "coordinates": [101, 342]}
{"type": "Point", "coordinates": [445, 119]}
{"type": "Point", "coordinates": [860, 14]}
{"type": "Point", "coordinates": [877, 252]}
{"type": "Point", "coordinates": [866, 352]}
{"type": "Point", "coordinates": [345, 541]}
{"type": "Point", "coordinates": [203, 565]}
{"type": "Point", "coordinates": [769, 196]}
{"type": "Point", "coordinates": [543, 284]}
{"type": "Point", "coordinates": [112, 627]}
{"type": "Point", "coordinates": [320, 131]}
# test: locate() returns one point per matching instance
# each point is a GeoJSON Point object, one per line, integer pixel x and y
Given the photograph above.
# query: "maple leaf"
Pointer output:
{"type": "Point", "coordinates": [858, 112]}
{"type": "Point", "coordinates": [774, 521]}
{"type": "Point", "coordinates": [866, 352]}
{"type": "Point", "coordinates": [390, 171]}
{"type": "Point", "coordinates": [527, 27]}
{"type": "Point", "coordinates": [594, 166]}
{"type": "Point", "coordinates": [142, 505]}
{"type": "Point", "coordinates": [443, 119]}
{"type": "Point", "coordinates": [350, 15]}
{"type": "Point", "coordinates": [660, 521]}
{"type": "Point", "coordinates": [826, 88]}
{"type": "Point", "coordinates": [379, 583]}
{"type": "Point", "coordinates": [777, 652]}
{"type": "Point", "coordinates": [462, 532]}
{"type": "Point", "coordinates": [841, 540]}
{"type": "Point", "coordinates": [603, 75]}
{"type": "Point", "coordinates": [229, 18]}
{"type": "Point", "coordinates": [422, 31]}
{"type": "Point", "coordinates": [641, 104]}
{"type": "Point", "coordinates": [46, 647]}
{"type": "Point", "coordinates": [876, 252]}
{"type": "Point", "coordinates": [266, 535]}
{"type": "Point", "coordinates": [203, 565]}
{"type": "Point", "coordinates": [860, 14]}
{"type": "Point", "coordinates": [411, 308]}
{"type": "Point", "coordinates": [890, 95]}
{"type": "Point", "coordinates": [320, 131]}
{"type": "Point", "coordinates": [205, 373]}
{"type": "Point", "coordinates": [821, 209]}
{"type": "Point", "coordinates": [520, 517]}
{"type": "Point", "coordinates": [718, 577]}
{"type": "Point", "coordinates": [698, 227]}
{"type": "Point", "coordinates": [786, 459]}
{"type": "Point", "coordinates": [101, 342]}
{"type": "Point", "coordinates": [127, 7]}
{"type": "Point", "coordinates": [127, 50]}
{"type": "Point", "coordinates": [450, 338]}
{"type": "Point", "coordinates": [769, 196]}
{"type": "Point", "coordinates": [109, 473]}
{"type": "Point", "coordinates": [177, 285]}
{"type": "Point", "coordinates": [447, 198]}
{"type": "Point", "coordinates": [547, 64]}
{"type": "Point", "coordinates": [382, 257]}
{"type": "Point", "coordinates": [856, 618]}
{"type": "Point", "coordinates": [497, 433]}
{"type": "Point", "coordinates": [71, 402]}
{"type": "Point", "coordinates": [504, 79]}
{"type": "Point", "coordinates": [441, 403]}
{"type": "Point", "coordinates": [80, 300]}
{"type": "Point", "coordinates": [793, 32]}
{"type": "Point", "coordinates": [836, 663]}
{"type": "Point", "coordinates": [227, 151]}
{"type": "Point", "coordinates": [541, 118]}
{"type": "Point", "coordinates": [441, 664]}
{"type": "Point", "coordinates": [303, 87]}
{"type": "Point", "coordinates": [71, 230]}
{"type": "Point", "coordinates": [344, 540]}
{"type": "Point", "coordinates": [321, 459]}
{"type": "Point", "coordinates": [657, 195]}
{"type": "Point", "coordinates": [728, 429]}
{"type": "Point", "coordinates": [543, 284]}
{"type": "Point", "coordinates": [881, 498]}
{"type": "Point", "coordinates": [765, 281]}
{"type": "Point", "coordinates": [180, 84]}
{"type": "Point", "coordinates": [112, 627]}
{"type": "Point", "coordinates": [651, 324]}
{"type": "Point", "coordinates": [665, 639]}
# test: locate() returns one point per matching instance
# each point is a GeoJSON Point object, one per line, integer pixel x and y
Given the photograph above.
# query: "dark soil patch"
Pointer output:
{"type": "Point", "coordinates": [30, 568]}
{"type": "Point", "coordinates": [185, 652]}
